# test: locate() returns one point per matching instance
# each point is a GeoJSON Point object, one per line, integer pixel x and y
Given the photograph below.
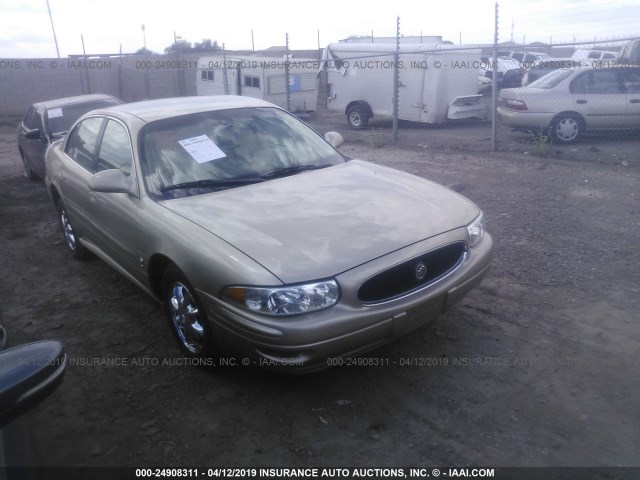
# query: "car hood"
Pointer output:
{"type": "Point", "coordinates": [321, 223]}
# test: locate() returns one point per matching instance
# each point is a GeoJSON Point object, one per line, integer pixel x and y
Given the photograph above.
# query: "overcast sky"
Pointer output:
{"type": "Point", "coordinates": [25, 29]}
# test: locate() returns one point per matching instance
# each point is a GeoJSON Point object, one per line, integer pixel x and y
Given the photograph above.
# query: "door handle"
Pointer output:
{"type": "Point", "coordinates": [581, 102]}
{"type": "Point", "coordinates": [634, 100]}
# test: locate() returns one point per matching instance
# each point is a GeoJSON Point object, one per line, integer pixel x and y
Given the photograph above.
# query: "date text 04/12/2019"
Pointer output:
{"type": "Point", "coordinates": [310, 472]}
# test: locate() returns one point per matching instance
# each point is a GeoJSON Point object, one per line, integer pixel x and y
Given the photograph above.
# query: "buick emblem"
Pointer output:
{"type": "Point", "coordinates": [421, 271]}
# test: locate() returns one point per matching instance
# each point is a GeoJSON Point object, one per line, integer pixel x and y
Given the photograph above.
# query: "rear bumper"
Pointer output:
{"type": "Point", "coordinates": [524, 120]}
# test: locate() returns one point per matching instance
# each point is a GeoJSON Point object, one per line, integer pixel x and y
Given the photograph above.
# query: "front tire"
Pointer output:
{"type": "Point", "coordinates": [566, 129]}
{"type": "Point", "coordinates": [187, 319]}
{"type": "Point", "coordinates": [71, 238]}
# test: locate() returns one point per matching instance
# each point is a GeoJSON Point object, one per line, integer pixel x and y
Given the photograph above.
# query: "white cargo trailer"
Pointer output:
{"type": "Point", "coordinates": [437, 82]}
{"type": "Point", "coordinates": [261, 77]}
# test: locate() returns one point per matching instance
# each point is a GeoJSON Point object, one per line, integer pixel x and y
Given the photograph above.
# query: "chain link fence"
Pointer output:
{"type": "Point", "coordinates": [560, 93]}
{"type": "Point", "coordinates": [398, 86]}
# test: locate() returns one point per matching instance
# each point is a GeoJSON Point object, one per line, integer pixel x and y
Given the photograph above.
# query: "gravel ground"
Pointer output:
{"type": "Point", "coordinates": [536, 367]}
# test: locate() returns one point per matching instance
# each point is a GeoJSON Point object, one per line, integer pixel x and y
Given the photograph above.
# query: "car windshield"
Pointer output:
{"type": "Point", "coordinates": [60, 119]}
{"type": "Point", "coordinates": [551, 79]}
{"type": "Point", "coordinates": [204, 152]}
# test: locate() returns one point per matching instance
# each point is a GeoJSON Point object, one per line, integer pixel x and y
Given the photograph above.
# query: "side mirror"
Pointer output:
{"type": "Point", "coordinates": [110, 181]}
{"type": "Point", "coordinates": [334, 138]}
{"type": "Point", "coordinates": [33, 134]}
{"type": "Point", "coordinates": [28, 374]}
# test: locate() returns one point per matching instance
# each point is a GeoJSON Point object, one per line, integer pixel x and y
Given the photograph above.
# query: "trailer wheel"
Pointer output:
{"type": "Point", "coordinates": [357, 117]}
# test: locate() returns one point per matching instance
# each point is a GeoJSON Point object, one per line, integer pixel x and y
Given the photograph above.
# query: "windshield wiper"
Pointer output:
{"type": "Point", "coordinates": [230, 182]}
{"type": "Point", "coordinates": [285, 171]}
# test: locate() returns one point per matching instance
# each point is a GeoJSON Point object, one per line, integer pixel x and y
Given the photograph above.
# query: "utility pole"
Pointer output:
{"type": "Point", "coordinates": [55, 39]}
{"type": "Point", "coordinates": [512, 25]}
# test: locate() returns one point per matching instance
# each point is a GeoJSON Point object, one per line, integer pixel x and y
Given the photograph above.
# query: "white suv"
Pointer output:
{"type": "Point", "coordinates": [526, 59]}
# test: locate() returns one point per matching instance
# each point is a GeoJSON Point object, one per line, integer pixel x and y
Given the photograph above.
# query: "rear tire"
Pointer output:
{"type": "Point", "coordinates": [28, 173]}
{"type": "Point", "coordinates": [357, 117]}
{"type": "Point", "coordinates": [186, 316]}
{"type": "Point", "coordinates": [71, 239]}
{"type": "Point", "coordinates": [566, 128]}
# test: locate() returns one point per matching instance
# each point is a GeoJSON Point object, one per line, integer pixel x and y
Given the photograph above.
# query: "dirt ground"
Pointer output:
{"type": "Point", "coordinates": [537, 367]}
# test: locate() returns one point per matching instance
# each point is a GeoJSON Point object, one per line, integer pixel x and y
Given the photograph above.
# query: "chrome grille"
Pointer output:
{"type": "Point", "coordinates": [409, 276]}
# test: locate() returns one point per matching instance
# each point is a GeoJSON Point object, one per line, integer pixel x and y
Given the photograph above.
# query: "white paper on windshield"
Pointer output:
{"type": "Point", "coordinates": [54, 112]}
{"type": "Point", "coordinates": [202, 149]}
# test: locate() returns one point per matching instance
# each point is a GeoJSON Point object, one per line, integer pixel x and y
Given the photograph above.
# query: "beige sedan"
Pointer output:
{"type": "Point", "coordinates": [568, 102]}
{"type": "Point", "coordinates": [257, 235]}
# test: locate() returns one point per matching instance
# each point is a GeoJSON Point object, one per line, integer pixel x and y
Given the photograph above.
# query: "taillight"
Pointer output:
{"type": "Point", "coordinates": [515, 104]}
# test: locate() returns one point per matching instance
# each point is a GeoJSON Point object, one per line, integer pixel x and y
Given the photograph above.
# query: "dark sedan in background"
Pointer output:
{"type": "Point", "coordinates": [48, 121]}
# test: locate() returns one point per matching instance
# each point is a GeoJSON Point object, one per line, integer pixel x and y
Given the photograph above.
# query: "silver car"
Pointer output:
{"type": "Point", "coordinates": [257, 235]}
{"type": "Point", "coordinates": [567, 102]}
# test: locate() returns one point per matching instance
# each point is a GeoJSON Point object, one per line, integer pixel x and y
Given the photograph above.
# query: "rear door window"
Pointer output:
{"type": "Point", "coordinates": [631, 80]}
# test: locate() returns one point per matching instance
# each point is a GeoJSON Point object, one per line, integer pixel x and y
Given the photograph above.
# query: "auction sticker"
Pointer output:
{"type": "Point", "coordinates": [54, 113]}
{"type": "Point", "coordinates": [202, 149]}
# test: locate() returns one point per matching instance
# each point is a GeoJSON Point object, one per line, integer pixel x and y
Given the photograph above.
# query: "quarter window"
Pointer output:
{"type": "Point", "coordinates": [82, 143]}
{"type": "Point", "coordinates": [28, 119]}
{"type": "Point", "coordinates": [115, 149]}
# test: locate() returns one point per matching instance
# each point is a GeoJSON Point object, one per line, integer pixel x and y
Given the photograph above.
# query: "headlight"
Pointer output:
{"type": "Point", "coordinates": [287, 300]}
{"type": "Point", "coordinates": [476, 230]}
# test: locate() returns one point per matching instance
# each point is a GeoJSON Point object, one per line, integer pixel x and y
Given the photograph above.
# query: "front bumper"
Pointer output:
{"type": "Point", "coordinates": [309, 342]}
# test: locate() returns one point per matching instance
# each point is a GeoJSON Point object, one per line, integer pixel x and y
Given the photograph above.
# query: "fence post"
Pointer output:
{"type": "Point", "coordinates": [396, 81]}
{"type": "Point", "coordinates": [86, 70]}
{"type": "Point", "coordinates": [225, 77]}
{"type": "Point", "coordinates": [286, 71]}
{"type": "Point", "coordinates": [494, 84]}
{"type": "Point", "coordinates": [147, 86]}
{"type": "Point", "coordinates": [120, 89]}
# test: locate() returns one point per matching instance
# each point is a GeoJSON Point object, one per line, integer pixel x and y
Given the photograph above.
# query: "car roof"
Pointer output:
{"type": "Point", "coordinates": [152, 110]}
{"type": "Point", "coordinates": [62, 102]}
